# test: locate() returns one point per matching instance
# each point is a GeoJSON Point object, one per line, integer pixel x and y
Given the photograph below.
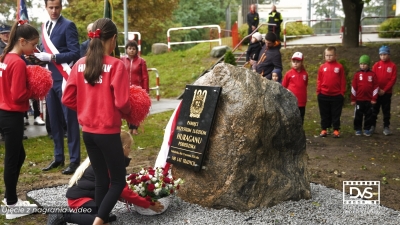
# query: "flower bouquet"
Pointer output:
{"type": "Point", "coordinates": [155, 185]}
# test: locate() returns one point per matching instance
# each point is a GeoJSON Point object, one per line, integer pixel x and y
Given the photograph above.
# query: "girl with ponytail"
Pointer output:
{"type": "Point", "coordinates": [97, 89]}
{"type": "Point", "coordinates": [14, 101]}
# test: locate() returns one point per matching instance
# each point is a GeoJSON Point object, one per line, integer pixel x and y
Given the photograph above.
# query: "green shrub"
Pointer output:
{"type": "Point", "coordinates": [230, 58]}
{"type": "Point", "coordinates": [349, 79]}
{"type": "Point", "coordinates": [297, 29]}
{"type": "Point", "coordinates": [291, 29]}
{"type": "Point", "coordinates": [388, 27]}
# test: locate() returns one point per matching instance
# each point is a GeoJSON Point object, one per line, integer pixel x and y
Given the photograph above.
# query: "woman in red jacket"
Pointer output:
{"type": "Point", "coordinates": [137, 72]}
{"type": "Point", "coordinates": [81, 188]}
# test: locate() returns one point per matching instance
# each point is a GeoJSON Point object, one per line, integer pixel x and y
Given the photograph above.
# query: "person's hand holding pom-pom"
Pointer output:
{"type": "Point", "coordinates": [39, 81]}
{"type": "Point", "coordinates": [140, 105]}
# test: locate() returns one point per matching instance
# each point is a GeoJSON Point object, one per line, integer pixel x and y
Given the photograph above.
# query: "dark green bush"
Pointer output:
{"type": "Point", "coordinates": [388, 28]}
{"type": "Point", "coordinates": [230, 58]}
{"type": "Point", "coordinates": [349, 79]}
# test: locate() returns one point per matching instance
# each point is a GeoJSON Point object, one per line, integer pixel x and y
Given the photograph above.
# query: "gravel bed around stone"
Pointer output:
{"type": "Point", "coordinates": [325, 207]}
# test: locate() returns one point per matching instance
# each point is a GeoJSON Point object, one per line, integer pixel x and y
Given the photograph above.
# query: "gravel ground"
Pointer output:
{"type": "Point", "coordinates": [325, 207]}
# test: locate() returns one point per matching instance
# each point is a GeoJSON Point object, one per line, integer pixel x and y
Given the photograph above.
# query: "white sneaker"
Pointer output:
{"type": "Point", "coordinates": [39, 121]}
{"type": "Point", "coordinates": [19, 209]}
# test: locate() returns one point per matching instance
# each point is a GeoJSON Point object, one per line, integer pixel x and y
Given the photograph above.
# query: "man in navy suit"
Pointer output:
{"type": "Point", "coordinates": [84, 46]}
{"type": "Point", "coordinates": [61, 50]}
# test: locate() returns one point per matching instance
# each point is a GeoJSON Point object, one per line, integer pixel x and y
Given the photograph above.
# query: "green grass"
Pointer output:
{"type": "Point", "coordinates": [178, 68]}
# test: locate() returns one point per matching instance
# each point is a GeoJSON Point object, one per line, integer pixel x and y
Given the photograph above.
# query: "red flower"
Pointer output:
{"type": "Point", "coordinates": [167, 180]}
{"type": "Point", "coordinates": [145, 178]}
{"type": "Point", "coordinates": [151, 172]}
{"type": "Point", "coordinates": [150, 187]}
{"type": "Point", "coordinates": [148, 198]}
{"type": "Point", "coordinates": [131, 177]}
{"type": "Point", "coordinates": [163, 185]}
{"type": "Point", "coordinates": [171, 191]}
{"type": "Point", "coordinates": [177, 187]}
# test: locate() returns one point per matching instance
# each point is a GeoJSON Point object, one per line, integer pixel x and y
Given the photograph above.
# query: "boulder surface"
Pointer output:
{"type": "Point", "coordinates": [257, 147]}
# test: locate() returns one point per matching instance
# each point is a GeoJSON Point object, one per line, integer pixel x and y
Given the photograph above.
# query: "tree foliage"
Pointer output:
{"type": "Point", "coordinates": [327, 8]}
{"type": "Point", "coordinates": [147, 17]}
{"type": "Point", "coordinates": [8, 10]}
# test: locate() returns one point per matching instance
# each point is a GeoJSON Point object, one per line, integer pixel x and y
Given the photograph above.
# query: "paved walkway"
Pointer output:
{"type": "Point", "coordinates": [335, 39]}
{"type": "Point", "coordinates": [156, 107]}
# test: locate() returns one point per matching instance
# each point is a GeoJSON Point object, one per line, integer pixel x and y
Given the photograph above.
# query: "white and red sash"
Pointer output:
{"type": "Point", "coordinates": [161, 161]}
{"type": "Point", "coordinates": [63, 68]}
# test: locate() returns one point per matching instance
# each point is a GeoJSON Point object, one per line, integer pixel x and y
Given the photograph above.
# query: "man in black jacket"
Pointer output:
{"type": "Point", "coordinates": [252, 18]}
{"type": "Point", "coordinates": [270, 57]}
{"type": "Point", "coordinates": [275, 17]}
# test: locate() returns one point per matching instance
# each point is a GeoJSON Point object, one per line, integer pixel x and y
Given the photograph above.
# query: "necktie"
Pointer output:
{"type": "Point", "coordinates": [49, 28]}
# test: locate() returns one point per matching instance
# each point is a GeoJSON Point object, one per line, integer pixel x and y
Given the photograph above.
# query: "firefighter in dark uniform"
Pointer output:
{"type": "Point", "coordinates": [275, 17]}
{"type": "Point", "coordinates": [252, 19]}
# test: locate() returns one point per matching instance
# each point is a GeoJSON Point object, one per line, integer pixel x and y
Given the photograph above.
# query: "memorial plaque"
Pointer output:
{"type": "Point", "coordinates": [195, 119]}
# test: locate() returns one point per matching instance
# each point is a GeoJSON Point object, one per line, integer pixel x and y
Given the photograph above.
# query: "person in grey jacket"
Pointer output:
{"type": "Point", "coordinates": [270, 56]}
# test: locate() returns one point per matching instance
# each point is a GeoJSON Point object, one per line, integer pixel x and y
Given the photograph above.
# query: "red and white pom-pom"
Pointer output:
{"type": "Point", "coordinates": [39, 81]}
{"type": "Point", "coordinates": [140, 105]}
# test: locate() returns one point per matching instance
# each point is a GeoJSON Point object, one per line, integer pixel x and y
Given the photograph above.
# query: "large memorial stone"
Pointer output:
{"type": "Point", "coordinates": [219, 51]}
{"type": "Point", "coordinates": [257, 148]}
{"type": "Point", "coordinates": [159, 48]}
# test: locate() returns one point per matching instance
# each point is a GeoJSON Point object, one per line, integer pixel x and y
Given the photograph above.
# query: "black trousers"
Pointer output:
{"type": "Point", "coordinates": [383, 102]}
{"type": "Point", "coordinates": [82, 218]}
{"type": "Point", "coordinates": [330, 110]}
{"type": "Point", "coordinates": [362, 111]}
{"type": "Point", "coordinates": [12, 125]}
{"type": "Point", "coordinates": [36, 108]}
{"type": "Point", "coordinates": [107, 159]}
{"type": "Point", "coordinates": [302, 113]}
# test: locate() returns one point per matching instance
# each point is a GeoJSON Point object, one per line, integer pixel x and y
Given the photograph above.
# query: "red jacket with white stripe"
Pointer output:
{"type": "Point", "coordinates": [297, 82]}
{"type": "Point", "coordinates": [99, 107]}
{"type": "Point", "coordinates": [331, 80]}
{"type": "Point", "coordinates": [364, 86]}
{"type": "Point", "coordinates": [386, 71]}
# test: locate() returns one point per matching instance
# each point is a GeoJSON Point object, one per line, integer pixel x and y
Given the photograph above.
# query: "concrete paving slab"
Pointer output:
{"type": "Point", "coordinates": [336, 39]}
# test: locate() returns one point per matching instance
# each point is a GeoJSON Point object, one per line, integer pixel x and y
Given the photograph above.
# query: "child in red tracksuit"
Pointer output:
{"type": "Point", "coordinates": [386, 71]}
{"type": "Point", "coordinates": [331, 86]}
{"type": "Point", "coordinates": [296, 81]}
{"type": "Point", "coordinates": [364, 92]}
{"type": "Point", "coordinates": [81, 188]}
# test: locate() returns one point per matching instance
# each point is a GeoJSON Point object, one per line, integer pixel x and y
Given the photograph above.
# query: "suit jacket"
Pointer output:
{"type": "Point", "coordinates": [65, 38]}
{"type": "Point", "coordinates": [83, 48]}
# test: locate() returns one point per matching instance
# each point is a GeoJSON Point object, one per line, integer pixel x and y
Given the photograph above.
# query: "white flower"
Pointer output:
{"type": "Point", "coordinates": [156, 185]}
{"type": "Point", "coordinates": [142, 171]}
{"type": "Point", "coordinates": [150, 176]}
{"type": "Point", "coordinates": [154, 179]}
{"type": "Point", "coordinates": [156, 191]}
{"type": "Point", "coordinates": [177, 181]}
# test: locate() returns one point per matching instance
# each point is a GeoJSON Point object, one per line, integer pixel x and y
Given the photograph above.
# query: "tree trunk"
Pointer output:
{"type": "Point", "coordinates": [352, 11]}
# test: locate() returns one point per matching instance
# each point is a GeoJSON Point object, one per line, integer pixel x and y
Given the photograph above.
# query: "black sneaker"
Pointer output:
{"type": "Point", "coordinates": [56, 219]}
